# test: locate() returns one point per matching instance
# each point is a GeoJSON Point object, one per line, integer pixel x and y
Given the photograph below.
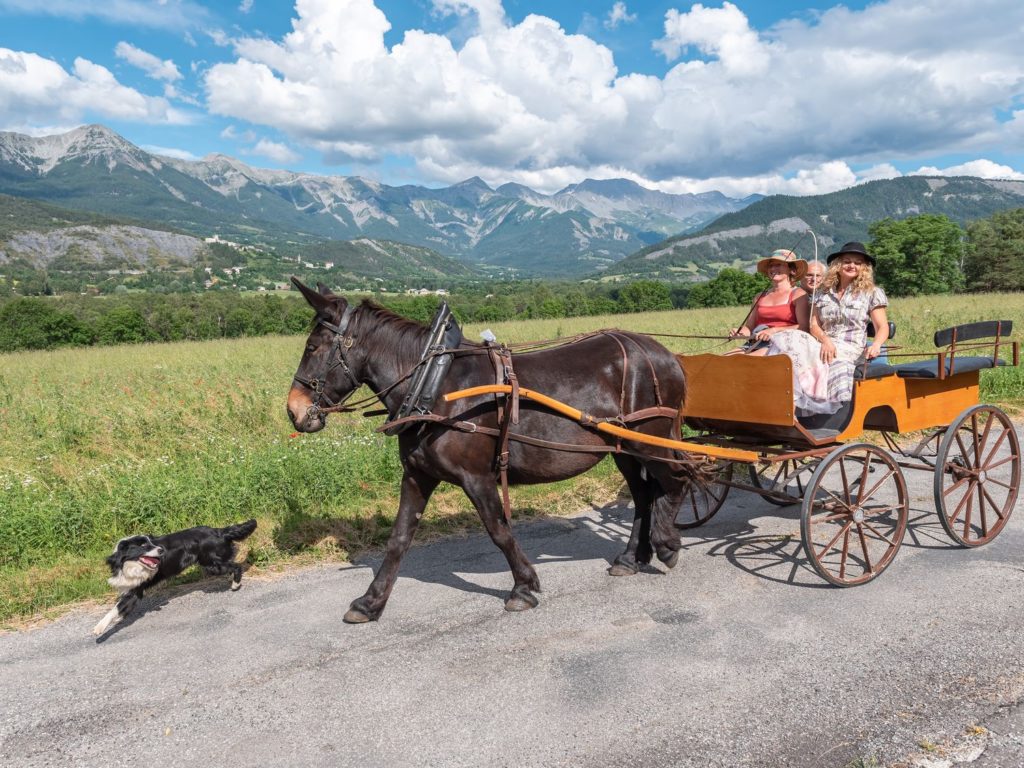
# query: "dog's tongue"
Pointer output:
{"type": "Point", "coordinates": [149, 562]}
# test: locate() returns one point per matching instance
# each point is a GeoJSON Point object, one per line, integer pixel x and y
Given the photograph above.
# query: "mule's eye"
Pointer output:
{"type": "Point", "coordinates": [311, 347]}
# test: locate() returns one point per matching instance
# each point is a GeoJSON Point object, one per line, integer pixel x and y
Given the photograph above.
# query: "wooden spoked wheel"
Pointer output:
{"type": "Point", "coordinates": [977, 475]}
{"type": "Point", "coordinates": [854, 514]}
{"type": "Point", "coordinates": [790, 477]}
{"type": "Point", "coordinates": [700, 504]}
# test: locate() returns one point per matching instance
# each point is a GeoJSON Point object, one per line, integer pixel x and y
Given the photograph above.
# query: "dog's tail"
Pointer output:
{"type": "Point", "coordinates": [240, 531]}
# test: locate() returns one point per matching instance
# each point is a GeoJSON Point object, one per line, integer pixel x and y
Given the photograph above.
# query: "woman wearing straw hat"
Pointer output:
{"type": "Point", "coordinates": [781, 307]}
{"type": "Point", "coordinates": [824, 360]}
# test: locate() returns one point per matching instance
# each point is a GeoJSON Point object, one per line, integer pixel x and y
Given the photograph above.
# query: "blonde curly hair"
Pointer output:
{"type": "Point", "coordinates": [863, 283]}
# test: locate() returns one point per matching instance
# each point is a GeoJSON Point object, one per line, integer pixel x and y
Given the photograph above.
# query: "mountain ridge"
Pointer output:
{"type": "Point", "coordinates": [591, 224]}
{"type": "Point", "coordinates": [739, 238]}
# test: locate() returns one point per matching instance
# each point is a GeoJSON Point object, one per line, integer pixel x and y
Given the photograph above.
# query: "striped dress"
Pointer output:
{"type": "Point", "coordinates": [818, 388]}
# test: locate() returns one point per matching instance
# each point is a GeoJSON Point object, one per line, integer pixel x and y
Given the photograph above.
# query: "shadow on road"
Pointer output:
{"type": "Point", "coordinates": [752, 535]}
{"type": "Point", "coordinates": [453, 562]}
{"type": "Point", "coordinates": [161, 595]}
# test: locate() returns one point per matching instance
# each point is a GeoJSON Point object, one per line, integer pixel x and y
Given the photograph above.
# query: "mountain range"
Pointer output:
{"type": "Point", "coordinates": [112, 200]}
{"type": "Point", "coordinates": [583, 228]}
{"type": "Point", "coordinates": [782, 221]}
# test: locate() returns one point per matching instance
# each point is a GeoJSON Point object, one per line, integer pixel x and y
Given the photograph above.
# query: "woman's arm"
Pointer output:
{"type": "Point", "coordinates": [745, 329]}
{"type": "Point", "coordinates": [828, 348]}
{"type": "Point", "coordinates": [881, 322]}
{"type": "Point", "coordinates": [802, 306]}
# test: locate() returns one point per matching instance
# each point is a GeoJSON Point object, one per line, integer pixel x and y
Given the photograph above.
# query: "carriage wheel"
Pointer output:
{"type": "Point", "coordinates": [790, 477]}
{"type": "Point", "coordinates": [854, 514]}
{"type": "Point", "coordinates": [977, 475]}
{"type": "Point", "coordinates": [701, 504]}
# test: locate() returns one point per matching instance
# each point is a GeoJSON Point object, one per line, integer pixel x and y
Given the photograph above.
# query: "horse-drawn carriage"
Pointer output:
{"type": "Point", "coordinates": [853, 493]}
{"type": "Point", "coordinates": [465, 414]}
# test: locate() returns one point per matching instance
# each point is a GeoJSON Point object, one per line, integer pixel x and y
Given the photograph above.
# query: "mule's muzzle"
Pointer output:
{"type": "Point", "coordinates": [305, 415]}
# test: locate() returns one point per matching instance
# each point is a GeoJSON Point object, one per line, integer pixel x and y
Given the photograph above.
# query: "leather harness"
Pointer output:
{"type": "Point", "coordinates": [507, 406]}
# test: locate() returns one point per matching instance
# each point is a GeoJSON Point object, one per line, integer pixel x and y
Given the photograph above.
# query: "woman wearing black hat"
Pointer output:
{"type": "Point", "coordinates": [847, 300]}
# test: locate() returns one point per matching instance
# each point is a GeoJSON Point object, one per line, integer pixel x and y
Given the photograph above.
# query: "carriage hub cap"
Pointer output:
{"type": "Point", "coordinates": [982, 476]}
{"type": "Point", "coordinates": [858, 515]}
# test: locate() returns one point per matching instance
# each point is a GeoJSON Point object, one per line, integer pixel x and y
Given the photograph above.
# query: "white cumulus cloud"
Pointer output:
{"type": "Point", "coordinates": [275, 151]}
{"type": "Point", "coordinates": [533, 103]}
{"type": "Point", "coordinates": [985, 169]}
{"type": "Point", "coordinates": [39, 90]}
{"type": "Point", "coordinates": [619, 15]}
{"type": "Point", "coordinates": [180, 154]}
{"type": "Point", "coordinates": [165, 70]}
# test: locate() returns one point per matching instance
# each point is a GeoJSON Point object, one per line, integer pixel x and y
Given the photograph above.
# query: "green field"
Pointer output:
{"type": "Point", "coordinates": [99, 443]}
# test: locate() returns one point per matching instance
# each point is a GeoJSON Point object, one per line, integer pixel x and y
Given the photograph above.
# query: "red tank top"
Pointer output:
{"type": "Point", "coordinates": [775, 316]}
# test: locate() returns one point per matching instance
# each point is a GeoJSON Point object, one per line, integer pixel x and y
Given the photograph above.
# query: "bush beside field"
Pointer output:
{"type": "Point", "coordinates": [104, 442]}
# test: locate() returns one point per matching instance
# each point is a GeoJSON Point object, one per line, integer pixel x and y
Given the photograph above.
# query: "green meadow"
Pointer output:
{"type": "Point", "coordinates": [99, 443]}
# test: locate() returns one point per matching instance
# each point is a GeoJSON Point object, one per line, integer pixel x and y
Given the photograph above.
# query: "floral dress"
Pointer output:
{"type": "Point", "coordinates": [821, 388]}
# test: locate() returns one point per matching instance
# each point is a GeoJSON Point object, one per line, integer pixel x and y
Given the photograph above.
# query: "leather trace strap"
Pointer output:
{"type": "Point", "coordinates": [508, 413]}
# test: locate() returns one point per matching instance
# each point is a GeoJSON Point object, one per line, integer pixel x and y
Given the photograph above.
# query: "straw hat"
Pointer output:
{"type": "Point", "coordinates": [784, 256]}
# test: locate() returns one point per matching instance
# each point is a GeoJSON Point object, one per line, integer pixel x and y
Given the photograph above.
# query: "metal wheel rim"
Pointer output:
{"type": "Point", "coordinates": [700, 505]}
{"type": "Point", "coordinates": [977, 475]}
{"type": "Point", "coordinates": [851, 534]}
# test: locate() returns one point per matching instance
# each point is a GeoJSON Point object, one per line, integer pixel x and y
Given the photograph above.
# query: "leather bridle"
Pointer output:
{"type": "Point", "coordinates": [340, 343]}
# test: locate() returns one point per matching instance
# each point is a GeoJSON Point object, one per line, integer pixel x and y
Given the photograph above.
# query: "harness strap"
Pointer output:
{"type": "Point", "coordinates": [508, 414]}
{"type": "Point", "coordinates": [470, 427]}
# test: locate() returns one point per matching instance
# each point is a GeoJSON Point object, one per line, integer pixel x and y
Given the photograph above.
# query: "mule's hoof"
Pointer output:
{"type": "Point", "coordinates": [670, 560]}
{"type": "Point", "coordinates": [618, 569]}
{"type": "Point", "coordinates": [521, 599]}
{"type": "Point", "coordinates": [354, 616]}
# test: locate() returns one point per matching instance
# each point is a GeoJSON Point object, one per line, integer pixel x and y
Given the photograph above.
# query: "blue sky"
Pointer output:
{"type": "Point", "coordinates": [741, 97]}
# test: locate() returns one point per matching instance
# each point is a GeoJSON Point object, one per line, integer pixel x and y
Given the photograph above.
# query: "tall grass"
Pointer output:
{"type": "Point", "coordinates": [99, 443]}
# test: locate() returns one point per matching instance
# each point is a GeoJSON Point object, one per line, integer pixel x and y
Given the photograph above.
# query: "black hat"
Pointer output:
{"type": "Point", "coordinates": [851, 247]}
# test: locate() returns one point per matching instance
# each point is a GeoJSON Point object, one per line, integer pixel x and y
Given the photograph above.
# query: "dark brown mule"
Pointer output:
{"type": "Point", "coordinates": [608, 374]}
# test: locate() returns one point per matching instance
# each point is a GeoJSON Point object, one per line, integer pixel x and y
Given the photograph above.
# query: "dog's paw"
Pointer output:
{"type": "Point", "coordinates": [235, 585]}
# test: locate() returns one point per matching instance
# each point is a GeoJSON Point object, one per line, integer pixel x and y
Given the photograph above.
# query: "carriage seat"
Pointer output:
{"type": "Point", "coordinates": [878, 368]}
{"type": "Point", "coordinates": [954, 363]}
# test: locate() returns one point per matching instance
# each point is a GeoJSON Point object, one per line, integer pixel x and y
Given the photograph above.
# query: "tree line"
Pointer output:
{"type": "Point", "coordinates": [76, 320]}
{"type": "Point", "coordinates": [919, 255]}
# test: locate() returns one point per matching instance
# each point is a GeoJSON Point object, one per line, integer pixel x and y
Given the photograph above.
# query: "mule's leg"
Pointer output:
{"type": "Point", "coordinates": [668, 488]}
{"type": "Point", "coordinates": [482, 491]}
{"type": "Point", "coordinates": [638, 549]}
{"type": "Point", "coordinates": [416, 490]}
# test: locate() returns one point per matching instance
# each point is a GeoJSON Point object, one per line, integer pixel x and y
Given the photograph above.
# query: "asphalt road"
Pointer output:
{"type": "Point", "coordinates": [741, 656]}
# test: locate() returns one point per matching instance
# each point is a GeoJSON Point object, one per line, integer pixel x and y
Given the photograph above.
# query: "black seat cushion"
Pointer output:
{"type": "Point", "coordinates": [929, 369]}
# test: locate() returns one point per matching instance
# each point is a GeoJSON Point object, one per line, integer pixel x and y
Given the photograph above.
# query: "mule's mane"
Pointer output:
{"type": "Point", "coordinates": [394, 336]}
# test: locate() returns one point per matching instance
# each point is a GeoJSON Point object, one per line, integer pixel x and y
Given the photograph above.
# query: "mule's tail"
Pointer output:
{"type": "Point", "coordinates": [240, 531]}
{"type": "Point", "coordinates": [687, 478]}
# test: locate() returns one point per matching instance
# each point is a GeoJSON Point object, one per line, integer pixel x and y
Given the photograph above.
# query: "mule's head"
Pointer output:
{"type": "Point", "coordinates": [323, 377]}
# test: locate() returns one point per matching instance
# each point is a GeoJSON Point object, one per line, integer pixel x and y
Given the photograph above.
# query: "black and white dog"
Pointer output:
{"type": "Point", "coordinates": [141, 562]}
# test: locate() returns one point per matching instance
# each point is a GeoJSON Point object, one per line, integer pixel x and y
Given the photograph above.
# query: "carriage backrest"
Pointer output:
{"type": "Point", "coordinates": [986, 329]}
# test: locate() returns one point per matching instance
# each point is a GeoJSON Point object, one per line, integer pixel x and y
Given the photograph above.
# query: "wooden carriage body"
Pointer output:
{"type": "Point", "coordinates": [751, 398]}
{"type": "Point", "coordinates": [854, 496]}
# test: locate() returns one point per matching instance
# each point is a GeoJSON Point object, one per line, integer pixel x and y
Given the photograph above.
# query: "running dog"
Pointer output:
{"type": "Point", "coordinates": [141, 562]}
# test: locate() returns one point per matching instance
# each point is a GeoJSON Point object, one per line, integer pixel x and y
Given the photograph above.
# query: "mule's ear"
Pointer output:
{"type": "Point", "coordinates": [316, 300]}
{"type": "Point", "coordinates": [325, 291]}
